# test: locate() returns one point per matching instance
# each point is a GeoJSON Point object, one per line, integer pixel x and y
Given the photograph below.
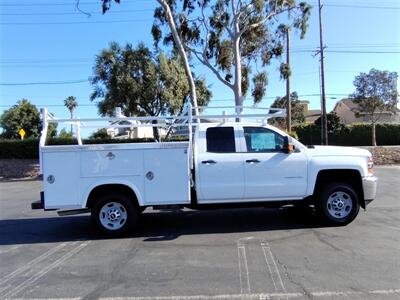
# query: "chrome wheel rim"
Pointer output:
{"type": "Point", "coordinates": [339, 205]}
{"type": "Point", "coordinates": [113, 215]}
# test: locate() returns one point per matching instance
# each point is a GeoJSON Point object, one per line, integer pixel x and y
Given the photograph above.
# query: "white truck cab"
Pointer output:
{"type": "Point", "coordinates": [223, 164]}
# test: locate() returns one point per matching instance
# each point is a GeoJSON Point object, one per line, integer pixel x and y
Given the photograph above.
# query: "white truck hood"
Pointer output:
{"type": "Point", "coordinates": [338, 151]}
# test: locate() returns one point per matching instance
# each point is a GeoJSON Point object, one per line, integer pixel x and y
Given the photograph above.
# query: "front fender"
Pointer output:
{"type": "Point", "coordinates": [324, 163]}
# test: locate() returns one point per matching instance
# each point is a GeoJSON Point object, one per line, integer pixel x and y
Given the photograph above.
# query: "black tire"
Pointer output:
{"type": "Point", "coordinates": [337, 204]}
{"type": "Point", "coordinates": [114, 214]}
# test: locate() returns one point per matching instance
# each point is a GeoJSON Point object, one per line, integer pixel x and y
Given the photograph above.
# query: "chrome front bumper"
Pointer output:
{"type": "Point", "coordinates": [369, 187]}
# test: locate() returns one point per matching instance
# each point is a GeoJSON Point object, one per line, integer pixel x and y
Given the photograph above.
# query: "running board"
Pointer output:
{"type": "Point", "coordinates": [167, 207]}
{"type": "Point", "coordinates": [73, 212]}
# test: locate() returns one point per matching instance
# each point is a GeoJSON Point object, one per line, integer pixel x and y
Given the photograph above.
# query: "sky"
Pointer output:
{"type": "Point", "coordinates": [47, 50]}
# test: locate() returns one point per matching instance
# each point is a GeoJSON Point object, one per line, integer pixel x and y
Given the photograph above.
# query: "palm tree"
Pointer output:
{"type": "Point", "coordinates": [71, 104]}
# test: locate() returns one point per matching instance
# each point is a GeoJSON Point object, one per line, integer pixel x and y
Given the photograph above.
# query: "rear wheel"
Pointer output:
{"type": "Point", "coordinates": [114, 214]}
{"type": "Point", "coordinates": [337, 204]}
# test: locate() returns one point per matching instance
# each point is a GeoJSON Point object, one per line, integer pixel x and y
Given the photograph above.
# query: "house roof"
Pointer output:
{"type": "Point", "coordinates": [350, 104]}
{"type": "Point", "coordinates": [353, 106]}
{"type": "Point", "coordinates": [313, 112]}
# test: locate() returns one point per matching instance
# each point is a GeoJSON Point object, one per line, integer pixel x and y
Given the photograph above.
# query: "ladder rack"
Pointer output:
{"type": "Point", "coordinates": [186, 119]}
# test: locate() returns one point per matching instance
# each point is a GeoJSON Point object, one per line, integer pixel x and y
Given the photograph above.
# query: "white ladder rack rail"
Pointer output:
{"type": "Point", "coordinates": [188, 120]}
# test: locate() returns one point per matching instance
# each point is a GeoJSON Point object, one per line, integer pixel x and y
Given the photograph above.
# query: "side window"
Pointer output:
{"type": "Point", "coordinates": [220, 139]}
{"type": "Point", "coordinates": [259, 139]}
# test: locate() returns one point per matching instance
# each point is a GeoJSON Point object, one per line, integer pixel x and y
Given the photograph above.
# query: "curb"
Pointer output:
{"type": "Point", "coordinates": [37, 178]}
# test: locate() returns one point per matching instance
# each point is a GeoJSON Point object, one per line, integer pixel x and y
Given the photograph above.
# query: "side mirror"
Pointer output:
{"type": "Point", "coordinates": [287, 145]}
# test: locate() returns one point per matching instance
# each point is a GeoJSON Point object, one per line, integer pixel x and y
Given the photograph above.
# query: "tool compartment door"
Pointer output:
{"type": "Point", "coordinates": [61, 179]}
{"type": "Point", "coordinates": [166, 176]}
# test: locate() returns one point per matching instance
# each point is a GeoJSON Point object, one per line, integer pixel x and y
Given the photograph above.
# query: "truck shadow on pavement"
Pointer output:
{"type": "Point", "coordinates": [157, 225]}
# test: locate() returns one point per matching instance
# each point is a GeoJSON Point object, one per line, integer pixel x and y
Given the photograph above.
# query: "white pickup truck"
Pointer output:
{"type": "Point", "coordinates": [223, 164]}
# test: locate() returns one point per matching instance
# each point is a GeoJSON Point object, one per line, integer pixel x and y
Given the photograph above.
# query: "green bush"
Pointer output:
{"type": "Point", "coordinates": [352, 135]}
{"type": "Point", "coordinates": [29, 148]}
{"type": "Point", "coordinates": [293, 134]}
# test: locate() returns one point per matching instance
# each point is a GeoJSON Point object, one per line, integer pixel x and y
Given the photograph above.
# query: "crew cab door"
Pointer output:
{"type": "Point", "coordinates": [219, 168]}
{"type": "Point", "coordinates": [271, 174]}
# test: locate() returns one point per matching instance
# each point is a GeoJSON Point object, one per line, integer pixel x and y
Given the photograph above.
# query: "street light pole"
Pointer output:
{"type": "Point", "coordinates": [324, 123]}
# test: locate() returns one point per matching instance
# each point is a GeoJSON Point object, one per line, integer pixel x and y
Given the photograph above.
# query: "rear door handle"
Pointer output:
{"type": "Point", "coordinates": [252, 161]}
{"type": "Point", "coordinates": [207, 162]}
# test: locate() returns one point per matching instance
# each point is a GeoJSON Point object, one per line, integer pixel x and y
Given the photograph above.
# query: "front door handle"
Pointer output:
{"type": "Point", "coordinates": [207, 162]}
{"type": "Point", "coordinates": [252, 161]}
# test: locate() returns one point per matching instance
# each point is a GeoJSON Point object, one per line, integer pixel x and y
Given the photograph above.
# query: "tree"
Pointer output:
{"type": "Point", "coordinates": [71, 104]}
{"type": "Point", "coordinates": [63, 134]}
{"type": "Point", "coordinates": [51, 130]}
{"type": "Point", "coordinates": [142, 83]}
{"type": "Point", "coordinates": [333, 123]}
{"type": "Point", "coordinates": [229, 37]}
{"type": "Point", "coordinates": [23, 115]}
{"type": "Point", "coordinates": [297, 110]}
{"type": "Point", "coordinates": [376, 94]}
{"type": "Point", "coordinates": [100, 134]}
{"type": "Point", "coordinates": [178, 41]}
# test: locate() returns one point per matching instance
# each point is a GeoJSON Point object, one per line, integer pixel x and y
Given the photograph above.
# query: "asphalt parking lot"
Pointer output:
{"type": "Point", "coordinates": [222, 254]}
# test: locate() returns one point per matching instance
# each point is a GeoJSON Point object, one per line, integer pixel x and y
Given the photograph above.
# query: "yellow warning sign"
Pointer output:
{"type": "Point", "coordinates": [22, 133]}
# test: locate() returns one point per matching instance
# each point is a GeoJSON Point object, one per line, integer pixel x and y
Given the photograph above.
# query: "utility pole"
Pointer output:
{"type": "Point", "coordinates": [288, 102]}
{"type": "Point", "coordinates": [324, 123]}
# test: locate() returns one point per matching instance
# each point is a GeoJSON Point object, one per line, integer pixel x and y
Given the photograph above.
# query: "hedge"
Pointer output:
{"type": "Point", "coordinates": [352, 135]}
{"type": "Point", "coordinates": [29, 148]}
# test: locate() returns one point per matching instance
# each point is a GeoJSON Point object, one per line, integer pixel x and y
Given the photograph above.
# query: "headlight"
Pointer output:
{"type": "Point", "coordinates": [370, 165]}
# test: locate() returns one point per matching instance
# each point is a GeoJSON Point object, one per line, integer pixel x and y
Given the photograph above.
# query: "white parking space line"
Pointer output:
{"type": "Point", "coordinates": [273, 268]}
{"type": "Point", "coordinates": [256, 296]}
{"type": "Point", "coordinates": [243, 269]}
{"type": "Point", "coordinates": [14, 290]}
{"type": "Point", "coordinates": [269, 268]}
{"type": "Point", "coordinates": [11, 249]}
{"type": "Point", "coordinates": [30, 264]}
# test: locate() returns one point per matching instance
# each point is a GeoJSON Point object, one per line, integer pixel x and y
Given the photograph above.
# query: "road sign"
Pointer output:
{"type": "Point", "coordinates": [22, 133]}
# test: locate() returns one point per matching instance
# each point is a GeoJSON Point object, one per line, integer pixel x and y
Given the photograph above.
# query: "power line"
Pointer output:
{"type": "Point", "coordinates": [75, 13]}
{"type": "Point", "coordinates": [77, 22]}
{"type": "Point", "coordinates": [361, 6]}
{"type": "Point", "coordinates": [46, 4]}
{"type": "Point", "coordinates": [45, 60]}
{"type": "Point", "coordinates": [273, 97]}
{"type": "Point", "coordinates": [43, 83]}
{"type": "Point", "coordinates": [97, 3]}
{"type": "Point", "coordinates": [54, 105]}
{"type": "Point", "coordinates": [343, 45]}
{"type": "Point", "coordinates": [57, 4]}
{"type": "Point", "coordinates": [308, 48]}
{"type": "Point", "coordinates": [46, 66]}
{"type": "Point", "coordinates": [349, 51]}
{"type": "Point", "coordinates": [358, 51]}
{"type": "Point", "coordinates": [89, 61]}
{"type": "Point", "coordinates": [212, 100]}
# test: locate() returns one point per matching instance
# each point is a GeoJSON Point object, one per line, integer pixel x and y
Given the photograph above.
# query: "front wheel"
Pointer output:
{"type": "Point", "coordinates": [337, 204]}
{"type": "Point", "coordinates": [114, 214]}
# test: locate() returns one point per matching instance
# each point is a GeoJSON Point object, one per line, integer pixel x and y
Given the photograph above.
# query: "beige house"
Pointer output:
{"type": "Point", "coordinates": [132, 131]}
{"type": "Point", "coordinates": [310, 114]}
{"type": "Point", "coordinates": [349, 112]}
